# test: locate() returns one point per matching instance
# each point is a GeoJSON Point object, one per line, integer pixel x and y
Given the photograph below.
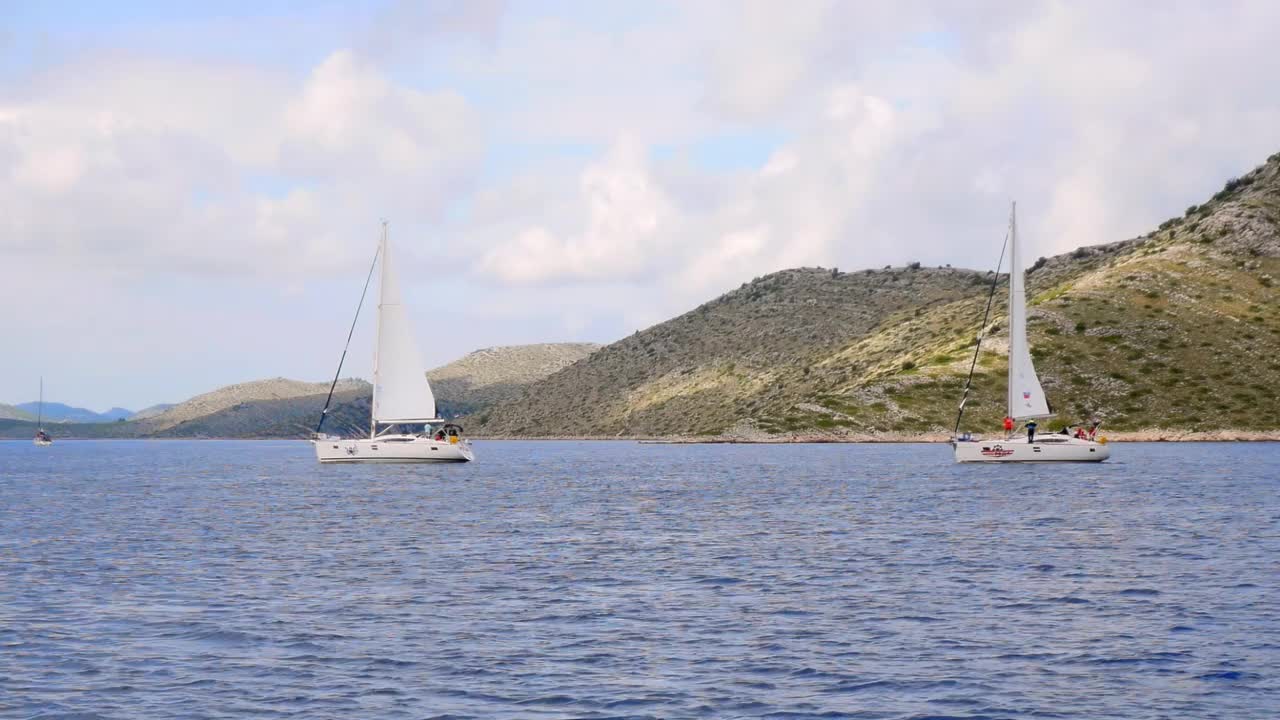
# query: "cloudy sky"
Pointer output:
{"type": "Point", "coordinates": [190, 197]}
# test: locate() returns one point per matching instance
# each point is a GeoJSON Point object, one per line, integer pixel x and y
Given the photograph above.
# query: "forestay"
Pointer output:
{"type": "Point", "coordinates": [1026, 398]}
{"type": "Point", "coordinates": [401, 392]}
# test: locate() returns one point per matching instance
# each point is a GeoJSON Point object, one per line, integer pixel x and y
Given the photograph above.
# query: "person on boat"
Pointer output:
{"type": "Point", "coordinates": [440, 435]}
{"type": "Point", "coordinates": [1080, 433]}
{"type": "Point", "coordinates": [1008, 425]}
{"type": "Point", "coordinates": [1031, 431]}
{"type": "Point", "coordinates": [1065, 430]}
{"type": "Point", "coordinates": [1093, 429]}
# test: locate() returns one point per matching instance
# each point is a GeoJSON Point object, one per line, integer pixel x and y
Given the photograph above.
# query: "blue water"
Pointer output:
{"type": "Point", "coordinates": [169, 579]}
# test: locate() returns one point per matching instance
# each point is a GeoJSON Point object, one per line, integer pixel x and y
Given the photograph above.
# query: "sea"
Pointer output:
{"type": "Point", "coordinates": [225, 579]}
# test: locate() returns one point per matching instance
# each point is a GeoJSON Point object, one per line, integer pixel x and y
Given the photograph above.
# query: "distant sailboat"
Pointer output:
{"type": "Point", "coordinates": [42, 438]}
{"type": "Point", "coordinates": [1026, 399]}
{"type": "Point", "coordinates": [401, 393]}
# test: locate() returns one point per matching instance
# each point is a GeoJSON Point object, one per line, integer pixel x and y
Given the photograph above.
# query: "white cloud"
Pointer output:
{"type": "Point", "coordinates": [621, 234]}
{"type": "Point", "coordinates": [794, 210]}
{"type": "Point", "coordinates": [765, 53]}
{"type": "Point", "coordinates": [548, 165]}
{"type": "Point", "coordinates": [911, 128]}
{"type": "Point", "coordinates": [199, 168]}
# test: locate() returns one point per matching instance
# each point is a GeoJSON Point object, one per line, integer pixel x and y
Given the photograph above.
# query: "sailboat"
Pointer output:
{"type": "Point", "coordinates": [42, 438]}
{"type": "Point", "coordinates": [1026, 400]}
{"type": "Point", "coordinates": [402, 396]}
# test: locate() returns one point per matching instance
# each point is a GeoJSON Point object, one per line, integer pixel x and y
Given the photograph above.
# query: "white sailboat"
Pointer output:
{"type": "Point", "coordinates": [401, 393]}
{"type": "Point", "coordinates": [1026, 399]}
{"type": "Point", "coordinates": [42, 438]}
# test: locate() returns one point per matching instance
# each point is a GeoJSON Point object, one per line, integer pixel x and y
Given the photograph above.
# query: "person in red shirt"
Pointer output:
{"type": "Point", "coordinates": [1008, 425]}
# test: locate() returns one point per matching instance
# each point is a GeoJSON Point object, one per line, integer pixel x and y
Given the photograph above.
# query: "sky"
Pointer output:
{"type": "Point", "coordinates": [191, 193]}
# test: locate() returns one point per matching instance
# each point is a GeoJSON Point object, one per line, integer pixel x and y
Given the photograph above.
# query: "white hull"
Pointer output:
{"type": "Point", "coordinates": [1046, 448]}
{"type": "Point", "coordinates": [42, 443]}
{"type": "Point", "coordinates": [392, 449]}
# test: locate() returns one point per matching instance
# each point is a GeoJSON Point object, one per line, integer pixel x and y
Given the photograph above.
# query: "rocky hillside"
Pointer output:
{"type": "Point", "coordinates": [1179, 328]}
{"type": "Point", "coordinates": [150, 412]}
{"type": "Point", "coordinates": [496, 375]}
{"type": "Point", "coordinates": [257, 392]}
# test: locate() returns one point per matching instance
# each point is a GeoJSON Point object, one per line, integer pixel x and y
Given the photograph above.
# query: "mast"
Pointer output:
{"type": "Point", "coordinates": [382, 287]}
{"type": "Point", "coordinates": [1015, 267]}
{"type": "Point", "coordinates": [40, 411]}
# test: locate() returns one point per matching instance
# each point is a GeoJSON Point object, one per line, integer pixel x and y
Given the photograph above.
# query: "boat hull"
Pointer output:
{"type": "Point", "coordinates": [1052, 448]}
{"type": "Point", "coordinates": [393, 449]}
{"type": "Point", "coordinates": [43, 443]}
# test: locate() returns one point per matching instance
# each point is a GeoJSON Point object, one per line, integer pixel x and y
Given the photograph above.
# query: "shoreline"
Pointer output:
{"type": "Point", "coordinates": [1148, 435]}
{"type": "Point", "coordinates": [1152, 434]}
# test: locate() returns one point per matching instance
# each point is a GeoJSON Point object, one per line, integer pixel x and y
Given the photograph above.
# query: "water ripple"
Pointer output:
{"type": "Point", "coordinates": [614, 580]}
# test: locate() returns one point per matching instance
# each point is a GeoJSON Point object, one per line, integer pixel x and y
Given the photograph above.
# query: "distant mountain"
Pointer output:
{"type": "Point", "coordinates": [1177, 329]}
{"type": "Point", "coordinates": [11, 412]}
{"type": "Point", "coordinates": [60, 413]}
{"type": "Point", "coordinates": [288, 408]}
{"type": "Point", "coordinates": [280, 407]}
{"type": "Point", "coordinates": [257, 391]}
{"type": "Point", "coordinates": [281, 417]}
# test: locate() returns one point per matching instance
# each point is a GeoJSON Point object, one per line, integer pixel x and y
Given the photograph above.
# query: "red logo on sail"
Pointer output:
{"type": "Point", "coordinates": [1026, 395]}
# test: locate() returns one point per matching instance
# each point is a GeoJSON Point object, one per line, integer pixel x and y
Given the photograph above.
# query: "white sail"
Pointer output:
{"type": "Point", "coordinates": [1026, 397]}
{"type": "Point", "coordinates": [401, 392]}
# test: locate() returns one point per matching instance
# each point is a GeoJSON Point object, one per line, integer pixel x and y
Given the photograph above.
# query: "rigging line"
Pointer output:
{"type": "Point", "coordinates": [977, 348]}
{"type": "Point", "coordinates": [352, 331]}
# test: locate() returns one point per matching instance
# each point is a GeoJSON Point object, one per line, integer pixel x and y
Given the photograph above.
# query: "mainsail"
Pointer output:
{"type": "Point", "coordinates": [1026, 397]}
{"type": "Point", "coordinates": [401, 393]}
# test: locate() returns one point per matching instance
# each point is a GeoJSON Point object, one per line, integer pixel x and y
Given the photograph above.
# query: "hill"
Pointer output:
{"type": "Point", "coordinates": [258, 393]}
{"type": "Point", "coordinates": [492, 376]}
{"type": "Point", "coordinates": [287, 408]}
{"type": "Point", "coordinates": [1178, 328]}
{"type": "Point", "coordinates": [12, 412]}
{"type": "Point", "coordinates": [59, 412]}
{"type": "Point", "coordinates": [284, 408]}
{"type": "Point", "coordinates": [150, 412]}
{"type": "Point", "coordinates": [292, 416]}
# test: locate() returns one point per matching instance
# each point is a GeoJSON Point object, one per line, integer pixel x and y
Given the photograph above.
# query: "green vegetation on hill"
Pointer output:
{"type": "Point", "coordinates": [732, 357]}
{"type": "Point", "coordinates": [1177, 329]}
